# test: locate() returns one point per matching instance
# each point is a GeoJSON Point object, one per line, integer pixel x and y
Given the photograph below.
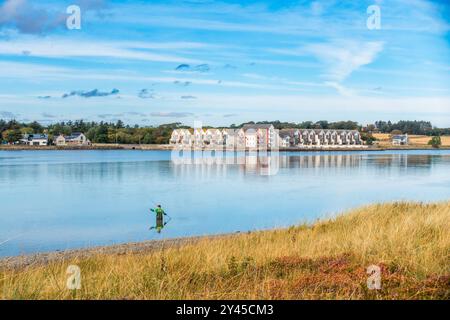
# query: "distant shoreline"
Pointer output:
{"type": "Point", "coordinates": [162, 147]}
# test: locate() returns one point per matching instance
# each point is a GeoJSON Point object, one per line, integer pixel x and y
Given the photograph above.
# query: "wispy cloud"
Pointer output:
{"type": "Point", "coordinates": [198, 68]}
{"type": "Point", "coordinates": [346, 92]}
{"type": "Point", "coordinates": [53, 47]}
{"type": "Point", "coordinates": [111, 116]}
{"type": "Point", "coordinates": [27, 18]}
{"type": "Point", "coordinates": [48, 115]}
{"type": "Point", "coordinates": [146, 94]}
{"type": "Point", "coordinates": [343, 58]}
{"type": "Point", "coordinates": [172, 114]}
{"type": "Point", "coordinates": [182, 83]}
{"type": "Point", "coordinates": [230, 115]}
{"type": "Point", "coordinates": [91, 93]}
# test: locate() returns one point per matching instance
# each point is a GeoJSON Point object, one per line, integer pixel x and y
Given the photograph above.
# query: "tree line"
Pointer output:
{"type": "Point", "coordinates": [118, 132]}
{"type": "Point", "coordinates": [410, 127]}
{"type": "Point", "coordinates": [323, 124]}
{"type": "Point", "coordinates": [98, 132]}
{"type": "Point", "coordinates": [403, 126]}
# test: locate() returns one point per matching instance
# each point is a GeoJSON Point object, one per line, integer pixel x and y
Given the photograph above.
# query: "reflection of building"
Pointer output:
{"type": "Point", "coordinates": [34, 139]}
{"type": "Point", "coordinates": [262, 163]}
{"type": "Point", "coordinates": [400, 140]}
{"type": "Point", "coordinates": [75, 139]}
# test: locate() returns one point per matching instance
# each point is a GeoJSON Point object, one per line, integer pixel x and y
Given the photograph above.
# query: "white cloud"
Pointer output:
{"type": "Point", "coordinates": [63, 48]}
{"type": "Point", "coordinates": [10, 9]}
{"type": "Point", "coordinates": [343, 91]}
{"type": "Point", "coordinates": [345, 57]}
{"type": "Point", "coordinates": [339, 59]}
{"type": "Point", "coordinates": [34, 72]}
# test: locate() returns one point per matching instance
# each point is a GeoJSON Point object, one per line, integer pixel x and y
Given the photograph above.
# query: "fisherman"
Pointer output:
{"type": "Point", "coordinates": [159, 217]}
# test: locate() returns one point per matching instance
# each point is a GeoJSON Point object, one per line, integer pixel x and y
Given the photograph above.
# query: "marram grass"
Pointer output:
{"type": "Point", "coordinates": [410, 242]}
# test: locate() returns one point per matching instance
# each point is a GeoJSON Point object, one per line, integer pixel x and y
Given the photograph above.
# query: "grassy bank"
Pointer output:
{"type": "Point", "coordinates": [328, 260]}
{"type": "Point", "coordinates": [415, 141]}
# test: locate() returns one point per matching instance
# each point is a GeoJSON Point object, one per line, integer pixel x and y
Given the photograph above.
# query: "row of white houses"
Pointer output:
{"type": "Point", "coordinates": [319, 137]}
{"type": "Point", "coordinates": [264, 136]}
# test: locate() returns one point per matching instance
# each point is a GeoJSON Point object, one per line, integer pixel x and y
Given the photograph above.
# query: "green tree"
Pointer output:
{"type": "Point", "coordinates": [27, 130]}
{"type": "Point", "coordinates": [435, 142]}
{"type": "Point", "coordinates": [13, 135]}
{"type": "Point", "coordinates": [37, 128]}
{"type": "Point", "coordinates": [120, 124]}
{"type": "Point", "coordinates": [368, 138]}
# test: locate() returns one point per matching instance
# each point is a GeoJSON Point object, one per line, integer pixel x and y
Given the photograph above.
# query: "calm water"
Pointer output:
{"type": "Point", "coordinates": [54, 200]}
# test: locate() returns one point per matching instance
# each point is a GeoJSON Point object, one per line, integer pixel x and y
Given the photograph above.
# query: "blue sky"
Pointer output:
{"type": "Point", "coordinates": [223, 62]}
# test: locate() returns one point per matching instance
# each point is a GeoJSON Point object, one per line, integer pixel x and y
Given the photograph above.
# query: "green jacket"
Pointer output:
{"type": "Point", "coordinates": [158, 211]}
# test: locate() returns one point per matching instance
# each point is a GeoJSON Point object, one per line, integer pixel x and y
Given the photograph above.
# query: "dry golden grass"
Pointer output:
{"type": "Point", "coordinates": [328, 260]}
{"type": "Point", "coordinates": [384, 139]}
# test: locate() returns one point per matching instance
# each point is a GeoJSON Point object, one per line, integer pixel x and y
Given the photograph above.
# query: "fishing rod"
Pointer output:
{"type": "Point", "coordinates": [156, 204]}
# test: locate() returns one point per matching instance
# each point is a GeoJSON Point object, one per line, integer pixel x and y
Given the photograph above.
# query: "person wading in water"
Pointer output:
{"type": "Point", "coordinates": [159, 217]}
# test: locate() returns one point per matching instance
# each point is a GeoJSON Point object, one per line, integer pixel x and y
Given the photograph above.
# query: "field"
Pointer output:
{"type": "Point", "coordinates": [409, 242]}
{"type": "Point", "coordinates": [384, 140]}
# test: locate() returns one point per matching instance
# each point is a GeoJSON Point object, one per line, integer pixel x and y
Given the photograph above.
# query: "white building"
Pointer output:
{"type": "Point", "coordinates": [181, 137]}
{"type": "Point", "coordinates": [400, 140]}
{"type": "Point", "coordinates": [75, 139]}
{"type": "Point", "coordinates": [287, 137]}
{"type": "Point", "coordinates": [260, 136]}
{"type": "Point", "coordinates": [264, 136]}
{"type": "Point", "coordinates": [322, 138]}
{"type": "Point", "coordinates": [34, 139]}
{"type": "Point", "coordinates": [234, 138]}
{"type": "Point", "coordinates": [213, 137]}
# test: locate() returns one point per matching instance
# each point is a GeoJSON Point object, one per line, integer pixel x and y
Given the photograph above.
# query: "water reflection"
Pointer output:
{"type": "Point", "coordinates": [270, 163]}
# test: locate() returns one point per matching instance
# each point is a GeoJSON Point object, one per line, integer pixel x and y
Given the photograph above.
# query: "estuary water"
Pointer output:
{"type": "Point", "coordinates": [56, 200]}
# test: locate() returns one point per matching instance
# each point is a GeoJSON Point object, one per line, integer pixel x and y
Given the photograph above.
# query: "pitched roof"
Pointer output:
{"type": "Point", "coordinates": [74, 135]}
{"type": "Point", "coordinates": [230, 132]}
{"type": "Point", "coordinates": [284, 134]}
{"type": "Point", "coordinates": [257, 126]}
{"type": "Point", "coordinates": [36, 136]}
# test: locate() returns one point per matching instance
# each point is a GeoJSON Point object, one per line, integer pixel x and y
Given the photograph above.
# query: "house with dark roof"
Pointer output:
{"type": "Point", "coordinates": [400, 140]}
{"type": "Point", "coordinates": [74, 139]}
{"type": "Point", "coordinates": [37, 139]}
{"type": "Point", "coordinates": [287, 138]}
